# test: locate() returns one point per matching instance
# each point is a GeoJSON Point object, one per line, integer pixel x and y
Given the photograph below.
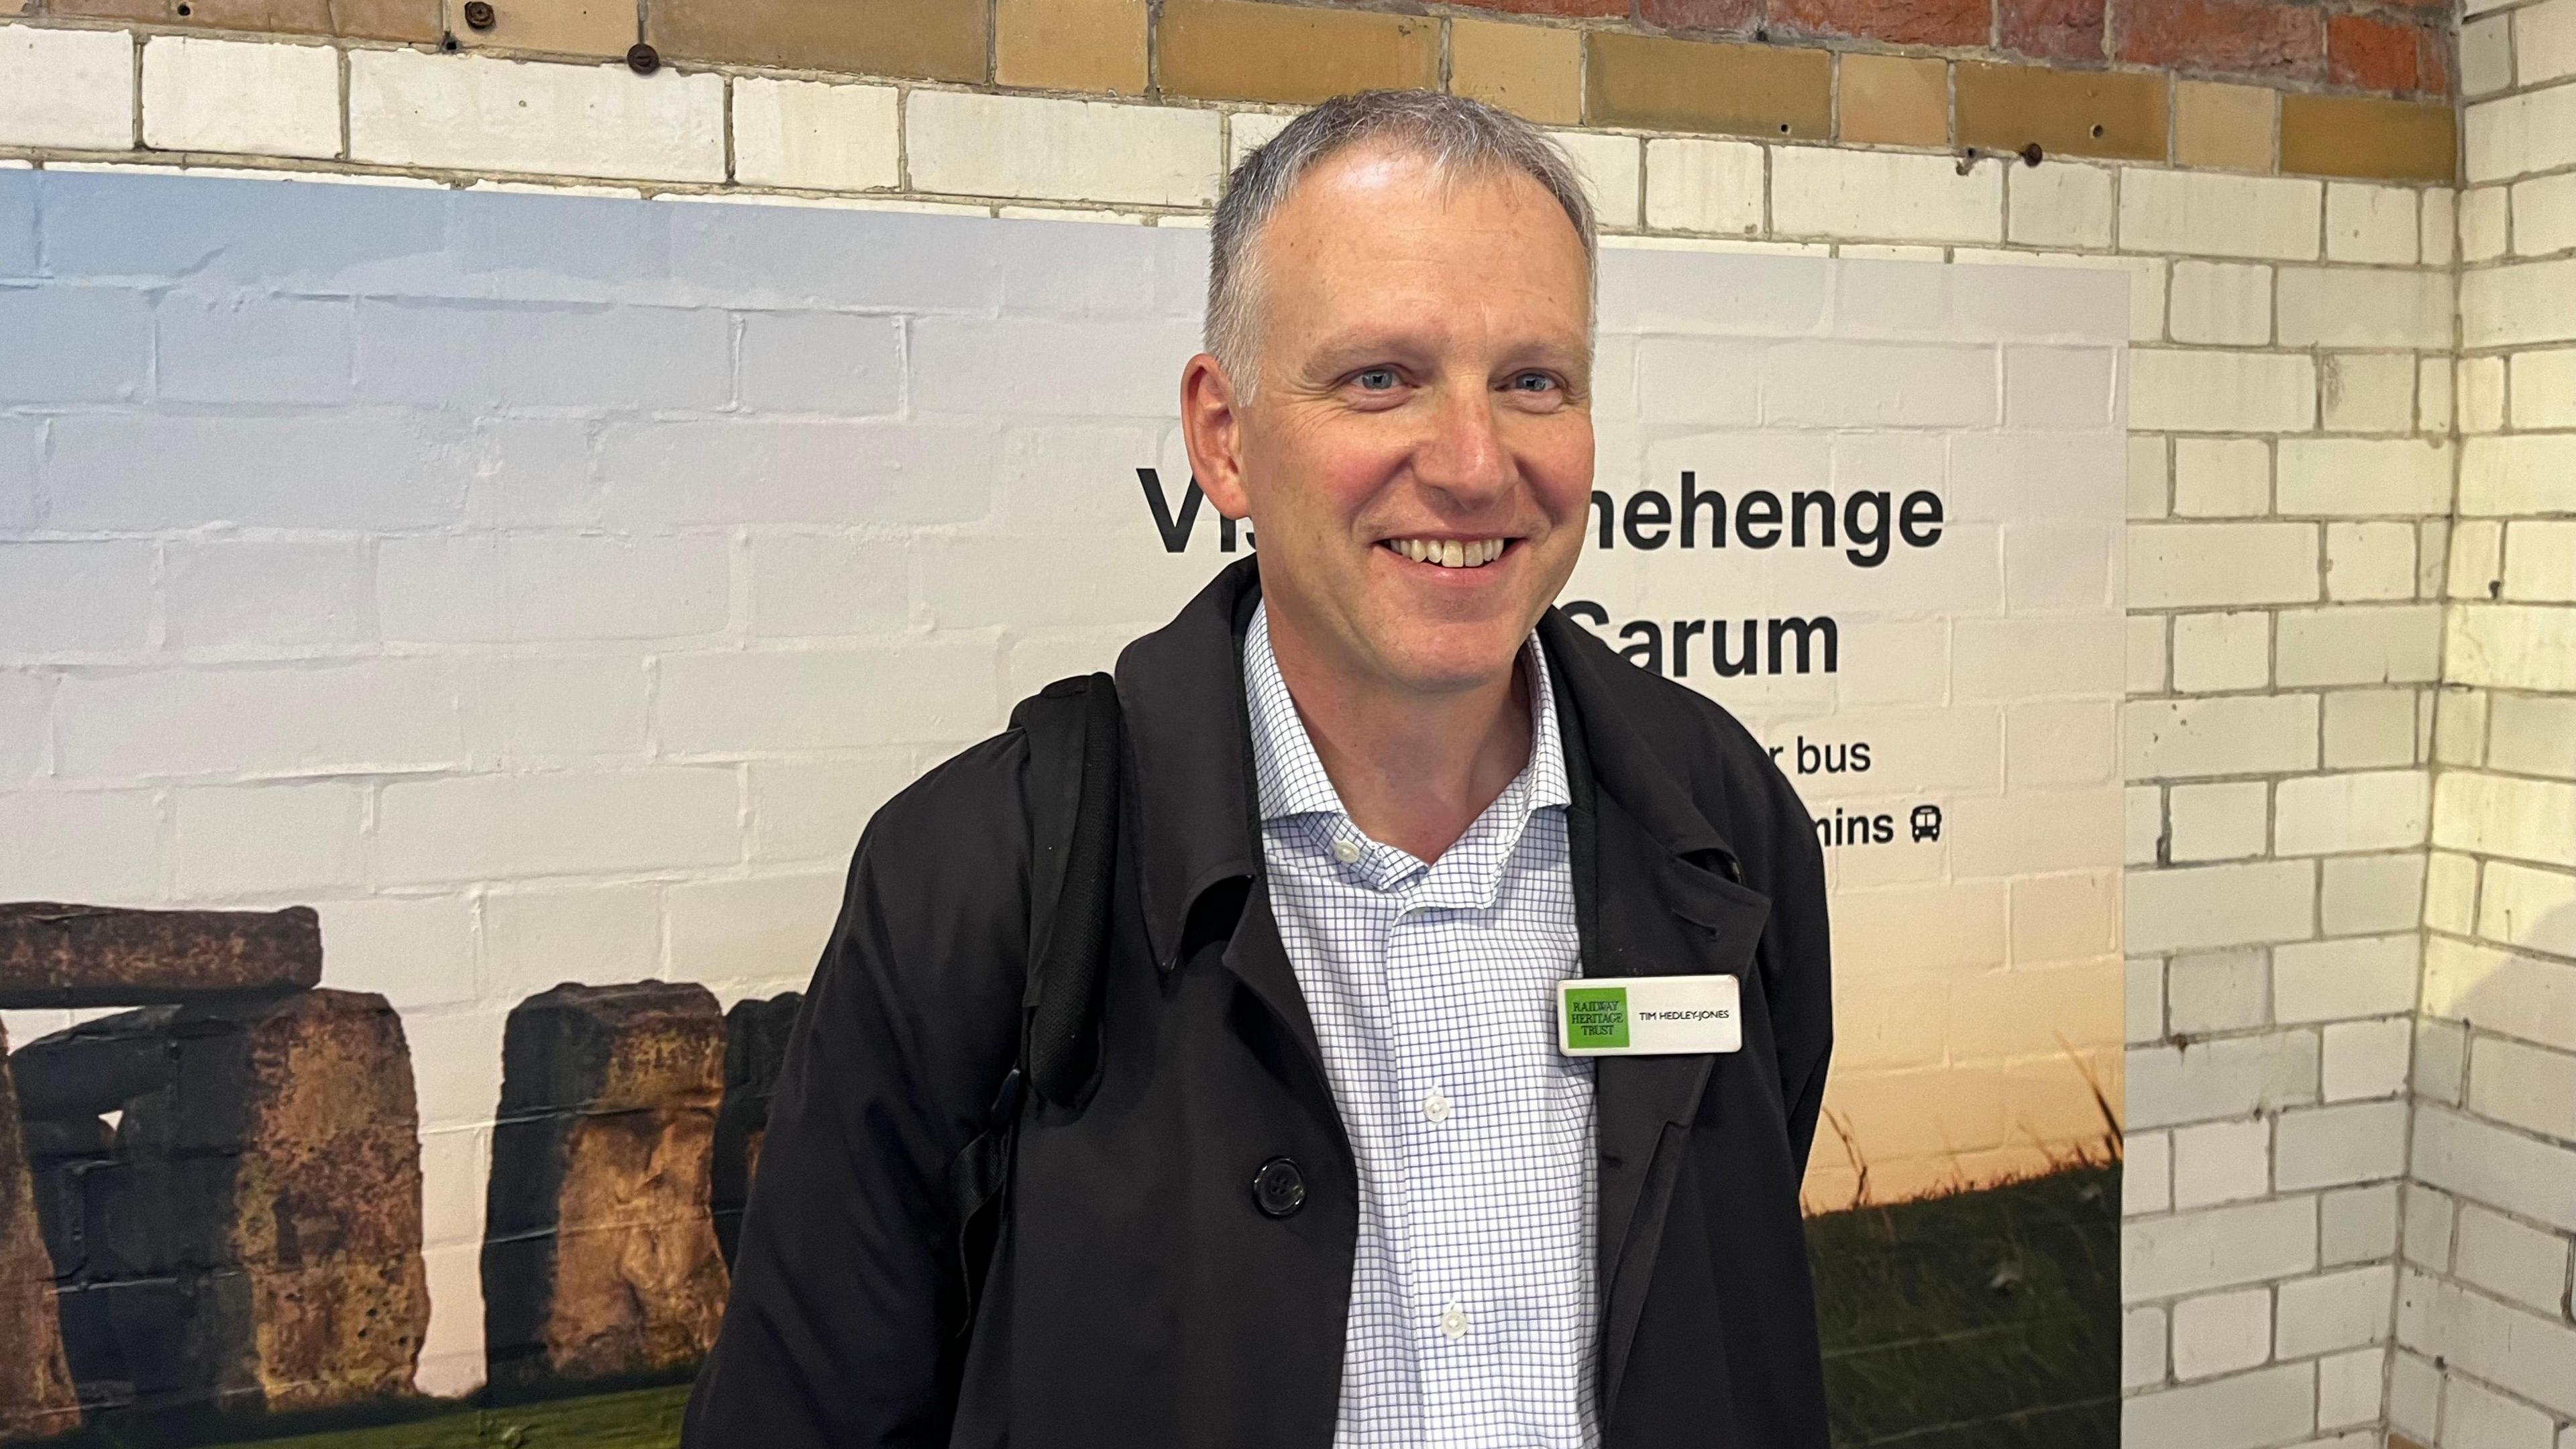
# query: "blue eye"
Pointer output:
{"type": "Point", "coordinates": [1534, 382]}
{"type": "Point", "coordinates": [1376, 379]}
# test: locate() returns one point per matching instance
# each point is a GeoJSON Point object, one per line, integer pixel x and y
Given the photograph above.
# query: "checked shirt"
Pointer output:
{"type": "Point", "coordinates": [1433, 993]}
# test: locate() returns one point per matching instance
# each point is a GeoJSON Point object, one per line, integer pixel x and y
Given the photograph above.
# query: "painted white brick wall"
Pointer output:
{"type": "Point", "coordinates": [2281, 660]}
{"type": "Point", "coordinates": [2061, 206]}
{"type": "Point", "coordinates": [2193, 213]}
{"type": "Point", "coordinates": [1612, 168]}
{"type": "Point", "coordinates": [2487, 1348]}
{"type": "Point", "coordinates": [1028, 146]}
{"type": "Point", "coordinates": [2222, 302]}
{"type": "Point", "coordinates": [1877, 195]}
{"type": "Point", "coordinates": [1704, 186]}
{"type": "Point", "coordinates": [72, 89]}
{"type": "Point", "coordinates": [473, 113]}
{"type": "Point", "coordinates": [251, 96]}
{"type": "Point", "coordinates": [2365, 307]}
{"type": "Point", "coordinates": [816, 135]}
{"type": "Point", "coordinates": [2174, 390]}
{"type": "Point", "coordinates": [2371, 224]}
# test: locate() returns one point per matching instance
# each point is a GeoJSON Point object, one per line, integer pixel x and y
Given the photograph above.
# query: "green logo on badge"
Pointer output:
{"type": "Point", "coordinates": [1596, 1017]}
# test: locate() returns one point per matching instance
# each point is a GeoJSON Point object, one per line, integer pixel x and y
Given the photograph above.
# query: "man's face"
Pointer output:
{"type": "Point", "coordinates": [1416, 457]}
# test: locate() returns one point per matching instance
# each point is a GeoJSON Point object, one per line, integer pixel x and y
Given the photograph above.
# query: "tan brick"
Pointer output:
{"type": "Point", "coordinates": [932, 39]}
{"type": "Point", "coordinates": [2223, 125]}
{"type": "Point", "coordinates": [1531, 70]}
{"type": "Point", "coordinates": [1895, 100]}
{"type": "Point", "coordinates": [571, 27]}
{"type": "Point", "coordinates": [1683, 85]}
{"type": "Point", "coordinates": [2366, 137]}
{"type": "Point", "coordinates": [1236, 50]}
{"type": "Point", "coordinates": [1071, 45]}
{"type": "Point", "coordinates": [2070, 113]}
{"type": "Point", "coordinates": [357, 19]}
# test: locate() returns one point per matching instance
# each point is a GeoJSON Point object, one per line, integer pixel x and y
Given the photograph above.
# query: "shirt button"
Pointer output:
{"type": "Point", "coordinates": [1453, 1322]}
{"type": "Point", "coordinates": [1346, 851]}
{"type": "Point", "coordinates": [1436, 1106]}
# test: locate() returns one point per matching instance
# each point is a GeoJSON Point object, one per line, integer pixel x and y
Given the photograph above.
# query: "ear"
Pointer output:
{"type": "Point", "coordinates": [1212, 427]}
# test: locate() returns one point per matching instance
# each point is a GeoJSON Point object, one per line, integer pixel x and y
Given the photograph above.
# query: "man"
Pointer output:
{"type": "Point", "coordinates": [1338, 1181]}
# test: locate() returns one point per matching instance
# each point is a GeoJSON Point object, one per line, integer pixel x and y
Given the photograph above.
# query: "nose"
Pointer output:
{"type": "Point", "coordinates": [1464, 456]}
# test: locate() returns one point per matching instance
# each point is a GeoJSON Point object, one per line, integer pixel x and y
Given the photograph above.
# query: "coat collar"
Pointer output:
{"type": "Point", "coordinates": [1198, 827]}
{"type": "Point", "coordinates": [1189, 742]}
{"type": "Point", "coordinates": [1629, 764]}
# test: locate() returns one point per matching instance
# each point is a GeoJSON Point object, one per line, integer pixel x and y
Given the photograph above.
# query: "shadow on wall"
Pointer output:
{"type": "Point", "coordinates": [210, 1204]}
{"type": "Point", "coordinates": [2491, 995]}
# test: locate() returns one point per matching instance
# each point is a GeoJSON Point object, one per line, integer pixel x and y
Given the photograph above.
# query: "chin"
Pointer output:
{"type": "Point", "coordinates": [1452, 659]}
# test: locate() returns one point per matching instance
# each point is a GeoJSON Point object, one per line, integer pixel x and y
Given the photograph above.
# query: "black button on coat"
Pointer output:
{"type": "Point", "coordinates": [1141, 1296]}
{"type": "Point", "coordinates": [1280, 1188]}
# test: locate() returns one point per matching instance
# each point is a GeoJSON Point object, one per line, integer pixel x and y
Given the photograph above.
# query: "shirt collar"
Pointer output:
{"type": "Point", "coordinates": [1291, 776]}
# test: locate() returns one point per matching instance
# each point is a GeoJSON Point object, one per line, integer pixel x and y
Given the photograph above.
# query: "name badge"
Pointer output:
{"type": "Point", "coordinates": [1647, 1016]}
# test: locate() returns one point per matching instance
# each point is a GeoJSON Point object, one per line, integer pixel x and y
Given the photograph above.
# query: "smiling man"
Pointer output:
{"type": "Point", "coordinates": [1461, 1007]}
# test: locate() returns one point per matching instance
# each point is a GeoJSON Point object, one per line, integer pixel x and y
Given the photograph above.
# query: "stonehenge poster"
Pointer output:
{"type": "Point", "coordinates": [450, 642]}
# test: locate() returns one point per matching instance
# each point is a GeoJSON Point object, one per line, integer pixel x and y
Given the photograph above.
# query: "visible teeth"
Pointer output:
{"type": "Point", "coordinates": [1450, 553]}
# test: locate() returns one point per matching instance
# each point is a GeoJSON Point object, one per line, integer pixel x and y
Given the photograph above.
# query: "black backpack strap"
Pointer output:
{"type": "Point", "coordinates": [1069, 909]}
{"type": "Point", "coordinates": [1072, 731]}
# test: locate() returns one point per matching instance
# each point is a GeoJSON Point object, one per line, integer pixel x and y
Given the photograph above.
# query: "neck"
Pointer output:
{"type": "Point", "coordinates": [1413, 769]}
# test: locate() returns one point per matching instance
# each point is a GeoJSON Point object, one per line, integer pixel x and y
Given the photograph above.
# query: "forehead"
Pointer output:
{"type": "Point", "coordinates": [1383, 218]}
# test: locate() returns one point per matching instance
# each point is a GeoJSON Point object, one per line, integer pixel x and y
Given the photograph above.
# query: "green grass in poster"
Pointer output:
{"type": "Point", "coordinates": [1982, 1320]}
{"type": "Point", "coordinates": [634, 1419]}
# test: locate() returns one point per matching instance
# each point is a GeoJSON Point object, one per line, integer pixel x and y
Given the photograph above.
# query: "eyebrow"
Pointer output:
{"type": "Point", "coordinates": [1362, 345]}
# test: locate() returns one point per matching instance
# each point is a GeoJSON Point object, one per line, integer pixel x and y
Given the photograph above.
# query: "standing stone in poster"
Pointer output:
{"type": "Point", "coordinates": [248, 1235]}
{"type": "Point", "coordinates": [326, 1208]}
{"type": "Point", "coordinates": [96, 1231]}
{"type": "Point", "coordinates": [599, 1255]}
{"type": "Point", "coordinates": [52, 954]}
{"type": "Point", "coordinates": [756, 1035]}
{"type": "Point", "coordinates": [36, 1399]}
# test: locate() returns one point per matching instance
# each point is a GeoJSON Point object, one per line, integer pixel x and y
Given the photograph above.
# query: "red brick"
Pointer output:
{"type": "Point", "coordinates": [2372, 55]}
{"type": "Point", "coordinates": [2051, 29]}
{"type": "Point", "coordinates": [2433, 61]}
{"type": "Point", "coordinates": [1899, 22]}
{"type": "Point", "coordinates": [1584, 9]}
{"type": "Point", "coordinates": [1730, 17]}
{"type": "Point", "coordinates": [2234, 37]}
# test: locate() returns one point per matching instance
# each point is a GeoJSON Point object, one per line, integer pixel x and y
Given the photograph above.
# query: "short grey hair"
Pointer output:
{"type": "Point", "coordinates": [1459, 136]}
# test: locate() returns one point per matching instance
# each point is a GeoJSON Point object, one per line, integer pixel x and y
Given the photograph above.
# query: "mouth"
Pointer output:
{"type": "Point", "coordinates": [1448, 553]}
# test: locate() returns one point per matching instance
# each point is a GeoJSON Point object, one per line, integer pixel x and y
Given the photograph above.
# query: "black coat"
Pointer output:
{"type": "Point", "coordinates": [1141, 1298]}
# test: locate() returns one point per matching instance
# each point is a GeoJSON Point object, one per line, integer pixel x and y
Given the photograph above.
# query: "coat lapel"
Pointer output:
{"type": "Point", "coordinates": [1194, 806]}
{"type": "Point", "coordinates": [1259, 960]}
{"type": "Point", "coordinates": [1653, 897]}
{"type": "Point", "coordinates": [1689, 922]}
